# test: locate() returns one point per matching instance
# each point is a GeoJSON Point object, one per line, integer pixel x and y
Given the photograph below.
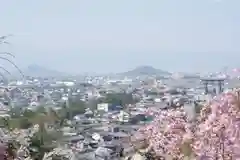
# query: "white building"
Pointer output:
{"type": "Point", "coordinates": [102, 107]}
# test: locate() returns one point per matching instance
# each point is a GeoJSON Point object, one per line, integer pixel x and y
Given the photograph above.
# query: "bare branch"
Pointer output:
{"type": "Point", "coordinates": [7, 53]}
{"type": "Point", "coordinates": [19, 70]}
{"type": "Point", "coordinates": [5, 70]}
{"type": "Point", "coordinates": [3, 40]}
{"type": "Point", "coordinates": [6, 42]}
{"type": "Point", "coordinates": [5, 37]}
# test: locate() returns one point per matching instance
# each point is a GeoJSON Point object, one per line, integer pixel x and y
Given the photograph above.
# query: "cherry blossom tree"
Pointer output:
{"type": "Point", "coordinates": [170, 134]}
{"type": "Point", "coordinates": [218, 132]}
{"type": "Point", "coordinates": [215, 134]}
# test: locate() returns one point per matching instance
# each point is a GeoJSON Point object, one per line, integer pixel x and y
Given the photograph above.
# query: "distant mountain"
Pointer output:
{"type": "Point", "coordinates": [146, 70]}
{"type": "Point", "coordinates": [39, 71]}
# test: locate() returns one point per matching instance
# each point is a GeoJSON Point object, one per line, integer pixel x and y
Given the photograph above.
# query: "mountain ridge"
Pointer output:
{"type": "Point", "coordinates": [35, 70]}
{"type": "Point", "coordinates": [146, 70]}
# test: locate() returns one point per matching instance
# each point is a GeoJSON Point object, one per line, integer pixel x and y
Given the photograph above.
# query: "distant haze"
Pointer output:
{"type": "Point", "coordinates": [116, 36]}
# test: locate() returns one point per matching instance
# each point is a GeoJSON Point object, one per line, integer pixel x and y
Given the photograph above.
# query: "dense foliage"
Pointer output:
{"type": "Point", "coordinates": [121, 99]}
{"type": "Point", "coordinates": [218, 132]}
{"type": "Point", "coordinates": [168, 134]}
{"type": "Point", "coordinates": [214, 135]}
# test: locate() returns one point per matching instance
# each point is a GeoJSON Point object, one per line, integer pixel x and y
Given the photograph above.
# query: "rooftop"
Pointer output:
{"type": "Point", "coordinates": [212, 79]}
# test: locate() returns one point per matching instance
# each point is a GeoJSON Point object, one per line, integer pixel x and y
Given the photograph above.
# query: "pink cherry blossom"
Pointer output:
{"type": "Point", "coordinates": [167, 132]}
{"type": "Point", "coordinates": [218, 134]}
{"type": "Point", "coordinates": [214, 135]}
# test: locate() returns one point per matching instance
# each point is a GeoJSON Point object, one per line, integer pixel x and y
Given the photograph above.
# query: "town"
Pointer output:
{"type": "Point", "coordinates": [120, 80]}
{"type": "Point", "coordinates": [97, 117]}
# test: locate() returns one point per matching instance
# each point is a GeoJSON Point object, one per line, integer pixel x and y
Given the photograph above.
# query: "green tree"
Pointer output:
{"type": "Point", "coordinates": [24, 123]}
{"type": "Point", "coordinates": [63, 114]}
{"type": "Point", "coordinates": [119, 99]}
{"type": "Point", "coordinates": [42, 138]}
{"type": "Point", "coordinates": [29, 113]}
{"type": "Point", "coordinates": [41, 109]}
{"type": "Point", "coordinates": [42, 141]}
{"type": "Point", "coordinates": [73, 108]}
{"type": "Point", "coordinates": [38, 147]}
{"type": "Point", "coordinates": [15, 112]}
{"type": "Point", "coordinates": [91, 104]}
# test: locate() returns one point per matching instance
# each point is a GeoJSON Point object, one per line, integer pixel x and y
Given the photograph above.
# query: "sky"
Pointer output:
{"type": "Point", "coordinates": [103, 36]}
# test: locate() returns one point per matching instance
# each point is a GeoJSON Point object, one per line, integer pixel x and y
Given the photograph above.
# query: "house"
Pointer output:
{"type": "Point", "coordinates": [103, 107]}
{"type": "Point", "coordinates": [123, 116]}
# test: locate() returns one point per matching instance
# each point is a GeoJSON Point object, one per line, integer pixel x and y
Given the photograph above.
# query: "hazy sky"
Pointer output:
{"type": "Point", "coordinates": [117, 35]}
